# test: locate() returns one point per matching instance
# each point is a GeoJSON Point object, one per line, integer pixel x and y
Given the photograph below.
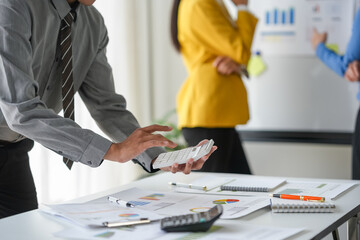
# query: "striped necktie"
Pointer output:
{"type": "Point", "coordinates": [66, 71]}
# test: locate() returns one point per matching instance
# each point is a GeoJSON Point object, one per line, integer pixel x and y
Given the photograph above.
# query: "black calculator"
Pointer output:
{"type": "Point", "coordinates": [193, 222]}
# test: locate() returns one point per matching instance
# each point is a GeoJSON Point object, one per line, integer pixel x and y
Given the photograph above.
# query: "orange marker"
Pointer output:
{"type": "Point", "coordinates": [298, 197]}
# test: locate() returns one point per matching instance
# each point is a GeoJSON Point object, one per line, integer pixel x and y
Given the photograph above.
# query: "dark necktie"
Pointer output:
{"type": "Point", "coordinates": [66, 71]}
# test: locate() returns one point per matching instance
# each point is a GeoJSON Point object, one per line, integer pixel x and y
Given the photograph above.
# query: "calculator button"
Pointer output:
{"type": "Point", "coordinates": [192, 222]}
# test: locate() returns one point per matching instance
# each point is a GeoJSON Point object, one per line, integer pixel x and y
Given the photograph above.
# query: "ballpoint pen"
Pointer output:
{"type": "Point", "coordinates": [298, 197]}
{"type": "Point", "coordinates": [185, 185]}
{"type": "Point", "coordinates": [128, 223]}
{"type": "Point", "coordinates": [120, 202]}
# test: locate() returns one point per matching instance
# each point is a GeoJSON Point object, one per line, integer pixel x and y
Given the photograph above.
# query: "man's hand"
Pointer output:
{"type": "Point", "coordinates": [190, 164]}
{"type": "Point", "coordinates": [352, 73]}
{"type": "Point", "coordinates": [140, 140]}
{"type": "Point", "coordinates": [226, 66]}
{"type": "Point", "coordinates": [318, 38]}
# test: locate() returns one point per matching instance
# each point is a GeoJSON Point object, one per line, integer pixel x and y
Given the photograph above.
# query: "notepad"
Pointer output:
{"type": "Point", "coordinates": [253, 185]}
{"type": "Point", "coordinates": [294, 206]}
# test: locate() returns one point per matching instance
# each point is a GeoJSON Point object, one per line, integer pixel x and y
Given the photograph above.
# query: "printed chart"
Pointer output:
{"type": "Point", "coordinates": [95, 214]}
{"type": "Point", "coordinates": [177, 204]}
{"type": "Point", "coordinates": [285, 27]}
{"type": "Point", "coordinates": [225, 201]}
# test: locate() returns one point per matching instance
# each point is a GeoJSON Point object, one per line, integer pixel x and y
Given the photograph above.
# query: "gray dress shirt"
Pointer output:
{"type": "Point", "coordinates": [30, 81]}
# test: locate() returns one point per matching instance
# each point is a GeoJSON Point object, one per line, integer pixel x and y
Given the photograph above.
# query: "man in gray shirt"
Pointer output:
{"type": "Point", "coordinates": [31, 97]}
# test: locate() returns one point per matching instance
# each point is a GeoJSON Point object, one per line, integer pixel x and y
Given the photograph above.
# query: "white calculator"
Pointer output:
{"type": "Point", "coordinates": [181, 156]}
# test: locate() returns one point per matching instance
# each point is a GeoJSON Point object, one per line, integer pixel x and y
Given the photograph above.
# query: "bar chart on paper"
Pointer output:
{"type": "Point", "coordinates": [285, 27]}
{"type": "Point", "coordinates": [280, 16]}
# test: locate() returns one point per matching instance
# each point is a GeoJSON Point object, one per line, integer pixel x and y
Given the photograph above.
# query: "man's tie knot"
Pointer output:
{"type": "Point", "coordinates": [68, 19]}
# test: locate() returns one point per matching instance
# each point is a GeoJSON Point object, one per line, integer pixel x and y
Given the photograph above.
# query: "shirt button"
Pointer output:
{"type": "Point", "coordinates": [48, 88]}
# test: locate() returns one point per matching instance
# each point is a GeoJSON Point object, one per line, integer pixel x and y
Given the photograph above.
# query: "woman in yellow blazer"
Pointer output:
{"type": "Point", "coordinates": [213, 99]}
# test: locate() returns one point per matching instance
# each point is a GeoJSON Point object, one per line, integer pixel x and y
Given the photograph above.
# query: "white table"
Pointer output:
{"type": "Point", "coordinates": [39, 226]}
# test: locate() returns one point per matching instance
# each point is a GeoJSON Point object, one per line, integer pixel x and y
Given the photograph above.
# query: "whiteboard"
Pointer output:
{"type": "Point", "coordinates": [297, 92]}
{"type": "Point", "coordinates": [300, 94]}
{"type": "Point", "coordinates": [285, 26]}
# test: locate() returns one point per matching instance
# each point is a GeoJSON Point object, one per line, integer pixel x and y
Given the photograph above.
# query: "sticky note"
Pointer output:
{"type": "Point", "coordinates": [256, 65]}
{"type": "Point", "coordinates": [332, 46]}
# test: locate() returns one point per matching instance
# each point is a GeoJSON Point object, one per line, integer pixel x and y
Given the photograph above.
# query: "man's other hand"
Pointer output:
{"type": "Point", "coordinates": [190, 164]}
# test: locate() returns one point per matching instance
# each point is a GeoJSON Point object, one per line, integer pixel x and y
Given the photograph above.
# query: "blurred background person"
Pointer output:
{"type": "Point", "coordinates": [346, 66]}
{"type": "Point", "coordinates": [213, 99]}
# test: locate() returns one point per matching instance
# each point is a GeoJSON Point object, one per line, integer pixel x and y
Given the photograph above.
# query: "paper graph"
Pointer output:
{"type": "Point", "coordinates": [225, 201]}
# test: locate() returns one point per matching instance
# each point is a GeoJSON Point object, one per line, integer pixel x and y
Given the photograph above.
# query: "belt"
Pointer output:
{"type": "Point", "coordinates": [4, 143]}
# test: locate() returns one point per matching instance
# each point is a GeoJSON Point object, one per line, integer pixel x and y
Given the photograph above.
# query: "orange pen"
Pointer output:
{"type": "Point", "coordinates": [298, 197]}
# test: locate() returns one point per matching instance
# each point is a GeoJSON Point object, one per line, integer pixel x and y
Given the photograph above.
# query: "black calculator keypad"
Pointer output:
{"type": "Point", "coordinates": [192, 222]}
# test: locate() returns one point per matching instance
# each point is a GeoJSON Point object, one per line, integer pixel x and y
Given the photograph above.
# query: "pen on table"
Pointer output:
{"type": "Point", "coordinates": [185, 185]}
{"type": "Point", "coordinates": [128, 223]}
{"type": "Point", "coordinates": [120, 202]}
{"type": "Point", "coordinates": [298, 197]}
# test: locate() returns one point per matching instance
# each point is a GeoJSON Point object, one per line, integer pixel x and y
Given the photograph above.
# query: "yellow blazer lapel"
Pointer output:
{"type": "Point", "coordinates": [226, 13]}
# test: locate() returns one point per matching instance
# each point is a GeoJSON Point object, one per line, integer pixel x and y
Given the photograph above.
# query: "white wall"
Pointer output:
{"type": "Point", "coordinates": [168, 71]}
{"type": "Point", "coordinates": [299, 159]}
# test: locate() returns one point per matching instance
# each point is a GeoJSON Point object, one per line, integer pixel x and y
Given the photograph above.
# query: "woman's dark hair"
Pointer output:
{"type": "Point", "coordinates": [174, 25]}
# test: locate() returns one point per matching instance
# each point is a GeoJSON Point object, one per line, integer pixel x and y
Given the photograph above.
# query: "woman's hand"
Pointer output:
{"type": "Point", "coordinates": [352, 73]}
{"type": "Point", "coordinates": [240, 2]}
{"type": "Point", "coordinates": [226, 66]}
{"type": "Point", "coordinates": [318, 38]}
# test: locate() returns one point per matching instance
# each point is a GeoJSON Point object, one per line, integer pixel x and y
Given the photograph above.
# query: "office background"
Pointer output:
{"type": "Point", "coordinates": [148, 72]}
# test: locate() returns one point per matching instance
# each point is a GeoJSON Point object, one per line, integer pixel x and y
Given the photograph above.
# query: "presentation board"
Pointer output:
{"type": "Point", "coordinates": [297, 92]}
{"type": "Point", "coordinates": [285, 26]}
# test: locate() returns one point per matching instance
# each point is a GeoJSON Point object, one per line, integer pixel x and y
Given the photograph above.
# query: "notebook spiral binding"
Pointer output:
{"type": "Point", "coordinates": [244, 189]}
{"type": "Point", "coordinates": [303, 208]}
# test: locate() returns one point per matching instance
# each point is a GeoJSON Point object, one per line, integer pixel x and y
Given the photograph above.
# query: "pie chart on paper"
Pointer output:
{"type": "Point", "coordinates": [225, 201]}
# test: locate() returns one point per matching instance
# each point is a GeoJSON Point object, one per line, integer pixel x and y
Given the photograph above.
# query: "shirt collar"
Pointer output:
{"type": "Point", "coordinates": [63, 7]}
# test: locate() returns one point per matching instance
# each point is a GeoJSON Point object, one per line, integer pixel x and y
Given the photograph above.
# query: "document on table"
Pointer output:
{"type": "Point", "coordinates": [95, 214]}
{"type": "Point", "coordinates": [321, 189]}
{"type": "Point", "coordinates": [145, 232]}
{"type": "Point", "coordinates": [170, 203]}
{"type": "Point", "coordinates": [278, 185]}
{"type": "Point", "coordinates": [213, 185]}
{"type": "Point", "coordinates": [220, 230]}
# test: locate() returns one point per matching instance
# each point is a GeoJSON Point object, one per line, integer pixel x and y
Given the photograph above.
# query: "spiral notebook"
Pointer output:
{"type": "Point", "coordinates": [294, 206]}
{"type": "Point", "coordinates": [257, 184]}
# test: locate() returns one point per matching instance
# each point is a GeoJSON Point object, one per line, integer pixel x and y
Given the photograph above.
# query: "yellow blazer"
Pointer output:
{"type": "Point", "coordinates": [208, 99]}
